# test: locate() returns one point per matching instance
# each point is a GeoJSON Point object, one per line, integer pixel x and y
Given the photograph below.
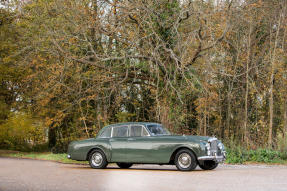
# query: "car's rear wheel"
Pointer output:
{"type": "Point", "coordinates": [97, 159]}
{"type": "Point", "coordinates": [185, 160]}
{"type": "Point", "coordinates": [124, 165]}
{"type": "Point", "coordinates": [208, 165]}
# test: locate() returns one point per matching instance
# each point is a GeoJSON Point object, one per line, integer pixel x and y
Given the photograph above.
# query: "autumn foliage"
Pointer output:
{"type": "Point", "coordinates": [199, 67]}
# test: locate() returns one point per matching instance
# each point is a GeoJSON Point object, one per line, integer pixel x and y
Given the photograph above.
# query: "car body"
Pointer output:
{"type": "Point", "coordinates": [147, 143]}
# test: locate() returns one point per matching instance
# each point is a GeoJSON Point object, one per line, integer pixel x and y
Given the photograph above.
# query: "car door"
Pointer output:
{"type": "Point", "coordinates": [118, 143]}
{"type": "Point", "coordinates": [139, 145]}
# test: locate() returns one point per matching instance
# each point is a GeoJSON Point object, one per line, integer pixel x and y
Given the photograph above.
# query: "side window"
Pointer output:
{"type": "Point", "coordinates": [145, 133]}
{"type": "Point", "coordinates": [121, 131]}
{"type": "Point", "coordinates": [138, 131]}
{"type": "Point", "coordinates": [106, 133]}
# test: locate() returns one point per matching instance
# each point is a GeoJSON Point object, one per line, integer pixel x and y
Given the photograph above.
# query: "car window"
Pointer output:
{"type": "Point", "coordinates": [121, 131]}
{"type": "Point", "coordinates": [106, 133]}
{"type": "Point", "coordinates": [138, 131]}
{"type": "Point", "coordinates": [157, 129]}
{"type": "Point", "coordinates": [144, 132]}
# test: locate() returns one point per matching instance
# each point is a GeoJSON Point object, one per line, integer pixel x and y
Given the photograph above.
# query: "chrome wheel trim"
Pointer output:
{"type": "Point", "coordinates": [184, 160]}
{"type": "Point", "coordinates": [97, 159]}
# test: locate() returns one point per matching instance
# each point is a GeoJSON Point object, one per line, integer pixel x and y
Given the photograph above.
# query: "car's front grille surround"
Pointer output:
{"type": "Point", "coordinates": [213, 147]}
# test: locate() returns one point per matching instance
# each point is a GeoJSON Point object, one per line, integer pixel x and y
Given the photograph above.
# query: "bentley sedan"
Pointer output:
{"type": "Point", "coordinates": [147, 143]}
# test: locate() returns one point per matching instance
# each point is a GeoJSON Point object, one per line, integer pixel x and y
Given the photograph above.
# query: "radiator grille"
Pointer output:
{"type": "Point", "coordinates": [213, 147]}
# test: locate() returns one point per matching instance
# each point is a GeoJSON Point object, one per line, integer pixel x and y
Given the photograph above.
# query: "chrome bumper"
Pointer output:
{"type": "Point", "coordinates": [214, 158]}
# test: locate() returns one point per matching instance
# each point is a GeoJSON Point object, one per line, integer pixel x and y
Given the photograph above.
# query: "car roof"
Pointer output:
{"type": "Point", "coordinates": [126, 123]}
{"type": "Point", "coordinates": [130, 123]}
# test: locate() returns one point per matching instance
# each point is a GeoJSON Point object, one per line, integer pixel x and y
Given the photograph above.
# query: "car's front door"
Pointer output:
{"type": "Point", "coordinates": [139, 145]}
{"type": "Point", "coordinates": [118, 143]}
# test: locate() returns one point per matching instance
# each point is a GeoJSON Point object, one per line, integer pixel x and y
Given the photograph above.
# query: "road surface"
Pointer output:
{"type": "Point", "coordinates": [30, 175]}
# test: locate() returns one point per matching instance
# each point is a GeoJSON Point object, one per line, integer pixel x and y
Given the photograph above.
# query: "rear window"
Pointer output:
{"type": "Point", "coordinates": [106, 133]}
{"type": "Point", "coordinates": [121, 131]}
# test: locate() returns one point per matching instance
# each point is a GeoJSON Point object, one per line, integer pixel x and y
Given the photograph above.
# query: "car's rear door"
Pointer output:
{"type": "Point", "coordinates": [118, 143]}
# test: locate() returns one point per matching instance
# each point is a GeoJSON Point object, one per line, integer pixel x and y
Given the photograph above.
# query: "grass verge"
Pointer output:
{"type": "Point", "coordinates": [40, 156]}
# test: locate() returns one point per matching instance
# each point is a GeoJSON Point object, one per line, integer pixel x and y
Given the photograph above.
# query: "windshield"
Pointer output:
{"type": "Point", "coordinates": [157, 129]}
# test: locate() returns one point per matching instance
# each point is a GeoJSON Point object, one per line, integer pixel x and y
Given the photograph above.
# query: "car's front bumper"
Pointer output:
{"type": "Point", "coordinates": [216, 158]}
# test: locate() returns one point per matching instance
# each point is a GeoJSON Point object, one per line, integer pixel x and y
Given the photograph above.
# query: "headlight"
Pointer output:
{"type": "Point", "coordinates": [207, 146]}
{"type": "Point", "coordinates": [220, 146]}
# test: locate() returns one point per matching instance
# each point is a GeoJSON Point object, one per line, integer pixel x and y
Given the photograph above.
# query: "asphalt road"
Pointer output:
{"type": "Point", "coordinates": [30, 175]}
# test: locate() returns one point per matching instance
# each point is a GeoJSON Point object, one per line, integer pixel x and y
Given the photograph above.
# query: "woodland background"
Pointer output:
{"type": "Point", "coordinates": [201, 67]}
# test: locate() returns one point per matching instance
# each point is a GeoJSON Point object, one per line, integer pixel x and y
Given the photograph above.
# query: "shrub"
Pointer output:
{"type": "Point", "coordinates": [235, 155]}
{"type": "Point", "coordinates": [61, 146]}
{"type": "Point", "coordinates": [282, 142]}
{"type": "Point", "coordinates": [240, 155]}
{"type": "Point", "coordinates": [21, 132]}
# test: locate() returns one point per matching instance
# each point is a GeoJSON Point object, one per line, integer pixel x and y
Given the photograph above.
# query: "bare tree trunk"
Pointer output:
{"type": "Point", "coordinates": [246, 133]}
{"type": "Point", "coordinates": [271, 109]}
{"type": "Point", "coordinates": [199, 130]}
{"type": "Point", "coordinates": [220, 117]}
{"type": "Point", "coordinates": [272, 83]}
{"type": "Point", "coordinates": [285, 120]}
{"type": "Point", "coordinates": [246, 130]}
{"type": "Point", "coordinates": [204, 120]}
{"type": "Point", "coordinates": [284, 98]}
{"type": "Point", "coordinates": [84, 120]}
{"type": "Point", "coordinates": [228, 113]}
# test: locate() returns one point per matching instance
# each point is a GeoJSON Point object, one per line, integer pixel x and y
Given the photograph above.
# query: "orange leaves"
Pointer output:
{"type": "Point", "coordinates": [55, 121]}
{"type": "Point", "coordinates": [72, 40]}
{"type": "Point", "coordinates": [207, 101]}
{"type": "Point", "coordinates": [82, 118]}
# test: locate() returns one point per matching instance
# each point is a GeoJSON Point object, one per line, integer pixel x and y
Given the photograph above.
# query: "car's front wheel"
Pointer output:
{"type": "Point", "coordinates": [124, 165]}
{"type": "Point", "coordinates": [208, 165]}
{"type": "Point", "coordinates": [97, 159]}
{"type": "Point", "coordinates": [185, 160]}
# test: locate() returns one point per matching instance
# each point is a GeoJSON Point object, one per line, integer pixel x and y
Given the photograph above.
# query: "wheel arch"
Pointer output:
{"type": "Point", "coordinates": [172, 157]}
{"type": "Point", "coordinates": [93, 149]}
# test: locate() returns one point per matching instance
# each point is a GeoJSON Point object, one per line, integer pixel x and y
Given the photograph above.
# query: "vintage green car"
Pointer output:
{"type": "Point", "coordinates": [147, 143]}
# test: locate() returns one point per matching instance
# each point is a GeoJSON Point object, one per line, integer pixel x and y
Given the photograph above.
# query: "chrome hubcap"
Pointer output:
{"type": "Point", "coordinates": [184, 160]}
{"type": "Point", "coordinates": [97, 159]}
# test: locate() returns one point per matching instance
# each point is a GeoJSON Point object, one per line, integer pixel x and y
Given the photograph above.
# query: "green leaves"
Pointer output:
{"type": "Point", "coordinates": [20, 132]}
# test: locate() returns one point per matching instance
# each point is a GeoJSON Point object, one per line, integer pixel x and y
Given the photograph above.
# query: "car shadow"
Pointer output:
{"type": "Point", "coordinates": [142, 168]}
{"type": "Point", "coordinates": [135, 168]}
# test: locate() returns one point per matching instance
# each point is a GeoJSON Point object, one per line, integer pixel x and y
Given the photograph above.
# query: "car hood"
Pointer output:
{"type": "Point", "coordinates": [197, 138]}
